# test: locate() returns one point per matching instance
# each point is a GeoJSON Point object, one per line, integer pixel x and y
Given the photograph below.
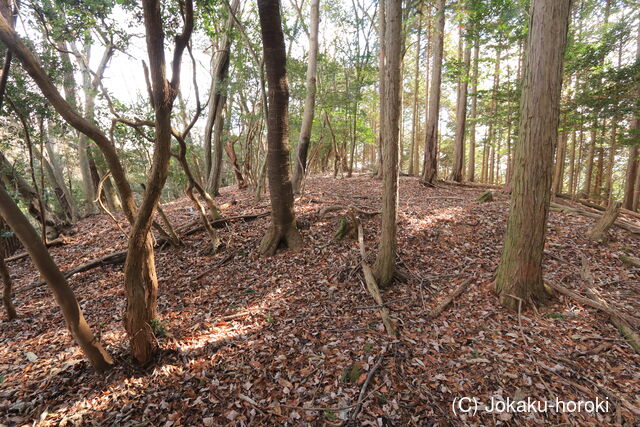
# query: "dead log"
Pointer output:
{"type": "Point", "coordinates": [372, 285]}
{"type": "Point", "coordinates": [600, 231]}
{"type": "Point", "coordinates": [620, 320]}
{"type": "Point", "coordinates": [632, 261]}
{"type": "Point", "coordinates": [448, 300]}
{"type": "Point", "coordinates": [592, 205]}
{"type": "Point", "coordinates": [625, 225]}
{"type": "Point", "coordinates": [487, 196]}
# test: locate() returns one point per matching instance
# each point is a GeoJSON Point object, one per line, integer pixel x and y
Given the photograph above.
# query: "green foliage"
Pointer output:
{"type": "Point", "coordinates": [158, 327]}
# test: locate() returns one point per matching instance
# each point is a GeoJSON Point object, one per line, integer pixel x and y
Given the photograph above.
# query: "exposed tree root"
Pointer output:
{"type": "Point", "coordinates": [277, 236]}
{"type": "Point", "coordinates": [625, 225]}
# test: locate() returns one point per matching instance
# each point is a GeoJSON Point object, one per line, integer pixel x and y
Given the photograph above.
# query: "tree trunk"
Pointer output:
{"type": "Point", "coordinates": [283, 228]}
{"type": "Point", "coordinates": [382, 27]}
{"type": "Point", "coordinates": [558, 173]}
{"type": "Point", "coordinates": [430, 166]}
{"type": "Point", "coordinates": [300, 163]}
{"type": "Point", "coordinates": [588, 174]}
{"type": "Point", "coordinates": [519, 274]}
{"type": "Point", "coordinates": [63, 294]}
{"type": "Point", "coordinates": [30, 197]}
{"type": "Point", "coordinates": [62, 190]}
{"type": "Point", "coordinates": [461, 115]}
{"type": "Point", "coordinates": [219, 70]}
{"type": "Point", "coordinates": [213, 181]}
{"type": "Point", "coordinates": [233, 159]}
{"type": "Point", "coordinates": [415, 121]}
{"type": "Point", "coordinates": [386, 259]}
{"type": "Point", "coordinates": [633, 162]}
{"type": "Point", "coordinates": [599, 232]}
{"type": "Point", "coordinates": [471, 166]}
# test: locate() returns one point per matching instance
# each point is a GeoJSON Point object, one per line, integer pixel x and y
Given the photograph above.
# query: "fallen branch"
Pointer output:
{"type": "Point", "coordinates": [448, 300]}
{"type": "Point", "coordinates": [363, 390]}
{"type": "Point", "coordinates": [372, 285]}
{"type": "Point", "coordinates": [187, 230]}
{"type": "Point", "coordinates": [110, 259]}
{"type": "Point", "coordinates": [632, 261]}
{"type": "Point", "coordinates": [600, 231]}
{"type": "Point", "coordinates": [55, 242]}
{"type": "Point", "coordinates": [335, 208]}
{"type": "Point", "coordinates": [620, 320]}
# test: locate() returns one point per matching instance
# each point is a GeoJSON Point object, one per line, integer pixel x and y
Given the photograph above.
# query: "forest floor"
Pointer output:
{"type": "Point", "coordinates": [291, 339]}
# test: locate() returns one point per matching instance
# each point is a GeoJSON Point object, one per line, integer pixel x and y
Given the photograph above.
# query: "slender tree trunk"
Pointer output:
{"type": "Point", "coordinates": [633, 162]}
{"type": "Point", "coordinates": [213, 181]}
{"type": "Point", "coordinates": [219, 71]}
{"type": "Point", "coordinates": [461, 115]}
{"type": "Point", "coordinates": [300, 163]}
{"type": "Point", "coordinates": [63, 294]}
{"type": "Point", "coordinates": [5, 277]}
{"type": "Point", "coordinates": [430, 166]}
{"type": "Point", "coordinates": [283, 228]}
{"type": "Point", "coordinates": [233, 159]}
{"type": "Point", "coordinates": [519, 274]}
{"type": "Point", "coordinates": [415, 122]}
{"type": "Point", "coordinates": [63, 191]}
{"type": "Point", "coordinates": [386, 258]}
{"type": "Point", "coordinates": [471, 166]}
{"type": "Point", "coordinates": [382, 24]}
{"type": "Point", "coordinates": [558, 173]}
{"type": "Point", "coordinates": [588, 174]}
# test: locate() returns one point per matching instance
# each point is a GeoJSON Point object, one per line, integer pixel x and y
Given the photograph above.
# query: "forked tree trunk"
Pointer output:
{"type": "Point", "coordinates": [386, 259]}
{"type": "Point", "coordinates": [63, 294]}
{"type": "Point", "coordinates": [461, 115]}
{"type": "Point", "coordinates": [430, 165]}
{"type": "Point", "coordinates": [300, 162]}
{"type": "Point", "coordinates": [519, 274]}
{"type": "Point", "coordinates": [283, 228]}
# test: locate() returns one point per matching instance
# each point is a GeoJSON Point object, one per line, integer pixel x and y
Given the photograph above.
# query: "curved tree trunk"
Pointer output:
{"type": "Point", "coordinates": [519, 274]}
{"type": "Point", "coordinates": [430, 165]}
{"type": "Point", "coordinates": [63, 294]}
{"type": "Point", "coordinates": [283, 223]}
{"type": "Point", "coordinates": [300, 163]}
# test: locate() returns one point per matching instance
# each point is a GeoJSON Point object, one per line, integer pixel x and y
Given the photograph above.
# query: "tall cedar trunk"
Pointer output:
{"type": "Point", "coordinates": [633, 162]}
{"type": "Point", "coordinates": [461, 115]}
{"type": "Point", "coordinates": [386, 259]}
{"type": "Point", "coordinates": [588, 173]}
{"type": "Point", "coordinates": [471, 166]}
{"type": "Point", "coordinates": [415, 120]}
{"type": "Point", "coordinates": [520, 271]}
{"type": "Point", "coordinates": [382, 26]}
{"type": "Point", "coordinates": [427, 68]}
{"type": "Point", "coordinates": [558, 172]}
{"type": "Point", "coordinates": [219, 70]}
{"type": "Point", "coordinates": [430, 165]}
{"type": "Point", "coordinates": [300, 162]}
{"type": "Point", "coordinates": [283, 228]}
{"type": "Point", "coordinates": [50, 273]}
